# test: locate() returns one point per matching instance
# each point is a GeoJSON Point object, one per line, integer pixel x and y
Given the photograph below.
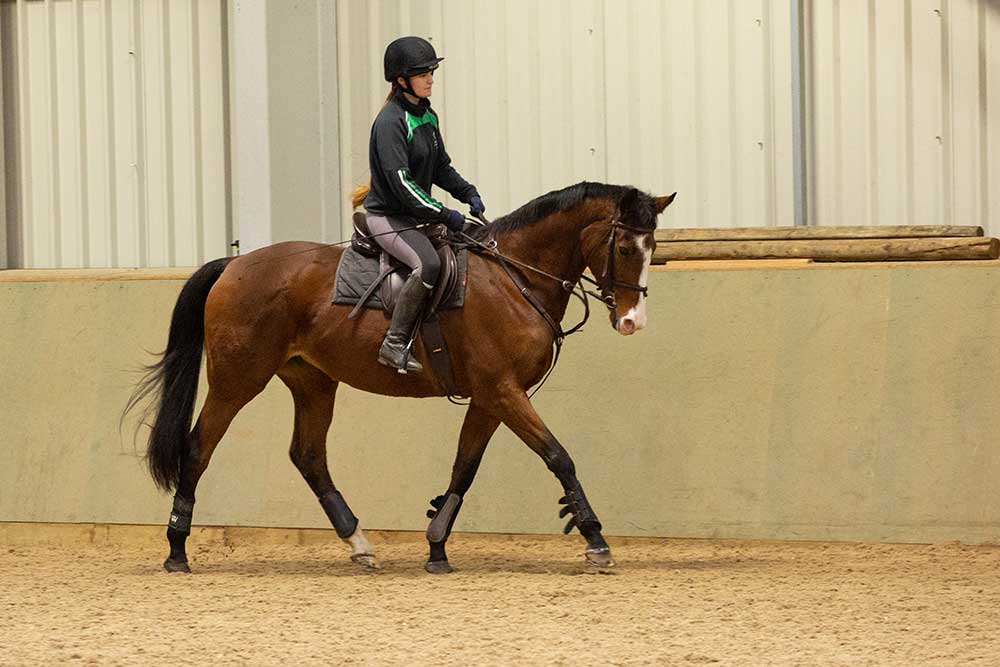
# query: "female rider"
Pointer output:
{"type": "Point", "coordinates": [406, 155]}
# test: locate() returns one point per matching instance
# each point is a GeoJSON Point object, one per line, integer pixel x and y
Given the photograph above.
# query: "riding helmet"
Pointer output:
{"type": "Point", "coordinates": [409, 56]}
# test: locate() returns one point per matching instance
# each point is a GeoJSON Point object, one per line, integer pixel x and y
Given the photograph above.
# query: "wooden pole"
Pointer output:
{"type": "Point", "coordinates": [788, 233]}
{"type": "Point", "coordinates": [824, 250]}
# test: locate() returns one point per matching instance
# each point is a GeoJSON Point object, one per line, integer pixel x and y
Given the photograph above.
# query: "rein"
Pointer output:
{"type": "Point", "coordinates": [607, 286]}
{"type": "Point", "coordinates": [490, 249]}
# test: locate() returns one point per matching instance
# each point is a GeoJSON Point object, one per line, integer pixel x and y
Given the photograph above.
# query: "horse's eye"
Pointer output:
{"type": "Point", "coordinates": [625, 250]}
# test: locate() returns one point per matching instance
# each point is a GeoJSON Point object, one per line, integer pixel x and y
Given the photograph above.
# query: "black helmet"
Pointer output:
{"type": "Point", "coordinates": [409, 56]}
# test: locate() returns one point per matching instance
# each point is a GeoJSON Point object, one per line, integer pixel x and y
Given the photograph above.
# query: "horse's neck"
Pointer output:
{"type": "Point", "coordinates": [553, 245]}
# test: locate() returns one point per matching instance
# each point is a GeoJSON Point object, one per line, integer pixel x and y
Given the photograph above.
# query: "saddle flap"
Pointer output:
{"type": "Point", "coordinates": [393, 283]}
{"type": "Point", "coordinates": [446, 278]}
{"type": "Point", "coordinates": [360, 220]}
{"type": "Point", "coordinates": [361, 238]}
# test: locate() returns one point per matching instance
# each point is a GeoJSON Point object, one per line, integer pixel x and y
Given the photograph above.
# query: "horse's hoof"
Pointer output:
{"type": "Point", "coordinates": [365, 560]}
{"type": "Point", "coordinates": [171, 565]}
{"type": "Point", "coordinates": [600, 558]}
{"type": "Point", "coordinates": [438, 567]}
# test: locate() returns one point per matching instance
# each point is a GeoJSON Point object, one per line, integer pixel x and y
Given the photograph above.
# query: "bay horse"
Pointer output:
{"type": "Point", "coordinates": [269, 312]}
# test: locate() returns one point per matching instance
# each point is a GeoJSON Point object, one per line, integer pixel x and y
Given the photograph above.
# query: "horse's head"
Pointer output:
{"type": "Point", "coordinates": [619, 253]}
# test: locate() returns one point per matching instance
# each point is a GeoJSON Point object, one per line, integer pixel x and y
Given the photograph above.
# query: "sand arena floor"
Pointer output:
{"type": "Point", "coordinates": [83, 599]}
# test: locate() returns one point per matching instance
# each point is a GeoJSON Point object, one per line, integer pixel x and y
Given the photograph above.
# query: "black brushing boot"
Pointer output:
{"type": "Point", "coordinates": [394, 350]}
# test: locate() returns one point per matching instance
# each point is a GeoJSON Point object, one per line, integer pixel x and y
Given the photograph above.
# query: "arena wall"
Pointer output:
{"type": "Point", "coordinates": [847, 402]}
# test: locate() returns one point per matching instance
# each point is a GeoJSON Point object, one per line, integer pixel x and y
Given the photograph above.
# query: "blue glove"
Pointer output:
{"type": "Point", "coordinates": [476, 206]}
{"type": "Point", "coordinates": [455, 221]}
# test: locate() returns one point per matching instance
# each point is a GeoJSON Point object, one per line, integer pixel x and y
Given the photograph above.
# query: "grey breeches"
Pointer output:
{"type": "Point", "coordinates": [398, 237]}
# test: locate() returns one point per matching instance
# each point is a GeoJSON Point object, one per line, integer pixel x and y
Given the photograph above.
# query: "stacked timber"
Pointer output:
{"type": "Point", "coordinates": [826, 244]}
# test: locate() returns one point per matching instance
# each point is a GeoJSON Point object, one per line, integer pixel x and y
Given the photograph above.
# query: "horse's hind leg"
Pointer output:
{"type": "Point", "coordinates": [314, 394]}
{"type": "Point", "coordinates": [519, 415]}
{"type": "Point", "coordinates": [477, 429]}
{"type": "Point", "coordinates": [216, 416]}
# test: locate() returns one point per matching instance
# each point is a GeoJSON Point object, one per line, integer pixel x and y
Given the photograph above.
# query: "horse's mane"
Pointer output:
{"type": "Point", "coordinates": [553, 202]}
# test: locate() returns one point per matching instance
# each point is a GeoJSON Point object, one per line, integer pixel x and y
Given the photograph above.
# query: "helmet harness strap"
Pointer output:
{"type": "Point", "coordinates": [406, 86]}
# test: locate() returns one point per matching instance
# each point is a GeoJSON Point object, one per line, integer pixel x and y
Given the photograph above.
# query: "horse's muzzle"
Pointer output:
{"type": "Point", "coordinates": [626, 326]}
{"type": "Point", "coordinates": [631, 322]}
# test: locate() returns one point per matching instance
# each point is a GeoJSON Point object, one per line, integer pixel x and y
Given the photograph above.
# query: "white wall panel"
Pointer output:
{"type": "Point", "coordinates": [687, 95]}
{"type": "Point", "coordinates": [5, 171]}
{"type": "Point", "coordinates": [990, 113]}
{"type": "Point", "coordinates": [903, 112]}
{"type": "Point", "coordinates": [118, 131]}
{"type": "Point", "coordinates": [115, 139]}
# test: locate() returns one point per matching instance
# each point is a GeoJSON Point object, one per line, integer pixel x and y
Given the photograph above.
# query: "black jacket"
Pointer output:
{"type": "Point", "coordinates": [406, 155]}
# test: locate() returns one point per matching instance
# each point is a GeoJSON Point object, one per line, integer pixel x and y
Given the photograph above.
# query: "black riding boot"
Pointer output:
{"type": "Point", "coordinates": [408, 309]}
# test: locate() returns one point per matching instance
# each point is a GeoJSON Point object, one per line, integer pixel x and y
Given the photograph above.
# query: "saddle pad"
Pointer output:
{"type": "Point", "coordinates": [356, 273]}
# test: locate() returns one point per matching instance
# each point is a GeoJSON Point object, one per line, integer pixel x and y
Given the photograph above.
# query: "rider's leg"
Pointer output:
{"type": "Point", "coordinates": [409, 304]}
{"type": "Point", "coordinates": [398, 237]}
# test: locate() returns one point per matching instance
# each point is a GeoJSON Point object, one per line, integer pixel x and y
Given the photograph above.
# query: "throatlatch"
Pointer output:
{"type": "Point", "coordinates": [339, 513]}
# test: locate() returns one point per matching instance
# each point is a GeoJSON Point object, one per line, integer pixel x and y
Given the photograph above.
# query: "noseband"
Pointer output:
{"type": "Point", "coordinates": [607, 285]}
{"type": "Point", "coordinates": [609, 282]}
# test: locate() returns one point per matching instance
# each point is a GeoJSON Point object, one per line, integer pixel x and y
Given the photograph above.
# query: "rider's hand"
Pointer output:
{"type": "Point", "coordinates": [455, 221]}
{"type": "Point", "coordinates": [476, 206]}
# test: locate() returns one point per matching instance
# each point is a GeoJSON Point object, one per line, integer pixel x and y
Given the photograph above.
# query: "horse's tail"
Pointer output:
{"type": "Point", "coordinates": [173, 380]}
{"type": "Point", "coordinates": [359, 195]}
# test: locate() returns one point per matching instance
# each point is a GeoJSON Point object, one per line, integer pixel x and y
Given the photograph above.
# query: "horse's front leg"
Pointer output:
{"type": "Point", "coordinates": [477, 429]}
{"type": "Point", "coordinates": [519, 415]}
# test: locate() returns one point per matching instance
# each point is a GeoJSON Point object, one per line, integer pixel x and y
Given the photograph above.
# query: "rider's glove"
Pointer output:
{"type": "Point", "coordinates": [455, 221]}
{"type": "Point", "coordinates": [476, 206]}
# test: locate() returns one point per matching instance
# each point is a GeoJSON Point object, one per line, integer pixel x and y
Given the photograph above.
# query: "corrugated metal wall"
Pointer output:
{"type": "Point", "coordinates": [689, 95]}
{"type": "Point", "coordinates": [116, 131]}
{"type": "Point", "coordinates": [901, 100]}
{"type": "Point", "coordinates": [903, 112]}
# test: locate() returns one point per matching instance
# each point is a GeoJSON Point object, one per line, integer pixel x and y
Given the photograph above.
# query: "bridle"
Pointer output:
{"type": "Point", "coordinates": [609, 282]}
{"type": "Point", "coordinates": [607, 285]}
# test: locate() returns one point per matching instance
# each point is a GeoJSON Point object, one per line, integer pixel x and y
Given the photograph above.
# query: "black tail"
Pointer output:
{"type": "Point", "coordinates": [173, 380]}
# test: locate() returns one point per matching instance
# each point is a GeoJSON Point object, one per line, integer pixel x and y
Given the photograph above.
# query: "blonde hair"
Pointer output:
{"type": "Point", "coordinates": [359, 194]}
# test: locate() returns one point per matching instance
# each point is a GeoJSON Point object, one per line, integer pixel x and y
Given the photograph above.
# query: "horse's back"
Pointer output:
{"type": "Point", "coordinates": [276, 283]}
{"type": "Point", "coordinates": [277, 266]}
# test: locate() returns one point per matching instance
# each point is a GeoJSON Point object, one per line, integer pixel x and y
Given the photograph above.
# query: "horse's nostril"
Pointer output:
{"type": "Point", "coordinates": [627, 326]}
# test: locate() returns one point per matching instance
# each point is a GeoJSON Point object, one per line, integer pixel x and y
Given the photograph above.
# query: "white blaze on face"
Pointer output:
{"type": "Point", "coordinates": [635, 318]}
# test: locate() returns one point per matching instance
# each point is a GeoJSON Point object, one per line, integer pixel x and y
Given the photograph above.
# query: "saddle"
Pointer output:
{"type": "Point", "coordinates": [381, 289]}
{"type": "Point", "coordinates": [368, 277]}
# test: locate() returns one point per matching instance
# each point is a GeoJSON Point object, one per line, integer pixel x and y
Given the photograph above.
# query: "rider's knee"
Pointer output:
{"type": "Point", "coordinates": [429, 271]}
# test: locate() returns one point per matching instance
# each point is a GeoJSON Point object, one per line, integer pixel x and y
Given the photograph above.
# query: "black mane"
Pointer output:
{"type": "Point", "coordinates": [560, 200]}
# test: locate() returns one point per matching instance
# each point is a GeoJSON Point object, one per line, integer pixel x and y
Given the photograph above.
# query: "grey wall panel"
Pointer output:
{"type": "Point", "coordinates": [118, 141]}
{"type": "Point", "coordinates": [117, 151]}
{"type": "Point", "coordinates": [903, 112]}
{"type": "Point", "coordinates": [687, 96]}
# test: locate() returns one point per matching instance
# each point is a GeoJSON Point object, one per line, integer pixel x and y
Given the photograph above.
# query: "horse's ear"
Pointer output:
{"type": "Point", "coordinates": [628, 200]}
{"type": "Point", "coordinates": [663, 202]}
